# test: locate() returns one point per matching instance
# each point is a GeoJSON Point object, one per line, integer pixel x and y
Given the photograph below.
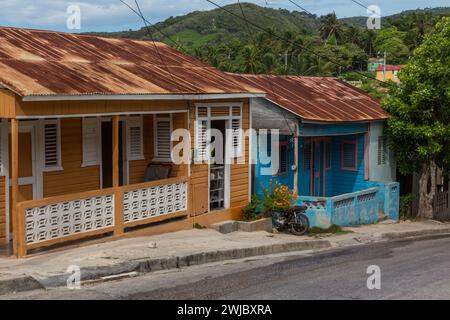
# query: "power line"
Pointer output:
{"type": "Point", "coordinates": [154, 26]}
{"type": "Point", "coordinates": [300, 7]}
{"type": "Point", "coordinates": [290, 41]}
{"type": "Point", "coordinates": [141, 15]}
{"type": "Point", "coordinates": [364, 6]}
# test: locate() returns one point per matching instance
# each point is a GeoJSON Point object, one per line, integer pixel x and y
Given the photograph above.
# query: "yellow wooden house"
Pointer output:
{"type": "Point", "coordinates": [83, 118]}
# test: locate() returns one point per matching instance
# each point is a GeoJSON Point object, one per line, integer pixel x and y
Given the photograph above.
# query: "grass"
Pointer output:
{"type": "Point", "coordinates": [334, 229]}
{"type": "Point", "coordinates": [198, 226]}
{"type": "Point", "coordinates": [193, 39]}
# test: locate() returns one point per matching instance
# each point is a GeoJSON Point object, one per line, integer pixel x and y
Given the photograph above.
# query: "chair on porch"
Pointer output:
{"type": "Point", "coordinates": [155, 172]}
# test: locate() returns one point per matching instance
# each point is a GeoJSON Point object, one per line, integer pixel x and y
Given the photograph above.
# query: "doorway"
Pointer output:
{"type": "Point", "coordinates": [218, 169]}
{"type": "Point", "coordinates": [107, 161]}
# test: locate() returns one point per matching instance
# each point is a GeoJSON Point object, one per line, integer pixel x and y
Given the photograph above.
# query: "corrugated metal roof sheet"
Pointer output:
{"type": "Point", "coordinates": [34, 62]}
{"type": "Point", "coordinates": [321, 99]}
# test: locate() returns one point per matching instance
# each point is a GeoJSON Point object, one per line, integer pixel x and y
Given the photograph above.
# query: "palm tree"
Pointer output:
{"type": "Point", "coordinates": [250, 55]}
{"type": "Point", "coordinates": [330, 26]}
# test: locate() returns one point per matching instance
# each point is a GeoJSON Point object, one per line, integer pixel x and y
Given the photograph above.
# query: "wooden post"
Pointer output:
{"type": "Point", "coordinates": [15, 184]}
{"type": "Point", "coordinates": [118, 193]}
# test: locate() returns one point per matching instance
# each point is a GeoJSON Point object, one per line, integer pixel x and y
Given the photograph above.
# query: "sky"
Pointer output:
{"type": "Point", "coordinates": [112, 15]}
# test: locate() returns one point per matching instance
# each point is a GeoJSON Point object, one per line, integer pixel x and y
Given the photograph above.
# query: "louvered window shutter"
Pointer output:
{"type": "Point", "coordinates": [91, 136]}
{"type": "Point", "coordinates": [382, 150]}
{"type": "Point", "coordinates": [163, 145]}
{"type": "Point", "coordinates": [349, 160]}
{"type": "Point", "coordinates": [136, 140]}
{"type": "Point", "coordinates": [236, 137]}
{"type": "Point", "coordinates": [201, 140]}
{"type": "Point", "coordinates": [51, 145]}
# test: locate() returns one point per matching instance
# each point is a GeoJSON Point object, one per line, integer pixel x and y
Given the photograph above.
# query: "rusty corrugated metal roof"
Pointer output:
{"type": "Point", "coordinates": [34, 62]}
{"type": "Point", "coordinates": [321, 99]}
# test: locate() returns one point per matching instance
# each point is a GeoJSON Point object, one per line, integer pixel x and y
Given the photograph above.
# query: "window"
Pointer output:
{"type": "Point", "coordinates": [135, 138]}
{"type": "Point", "coordinates": [52, 145]}
{"type": "Point", "coordinates": [382, 150]}
{"type": "Point", "coordinates": [201, 140]}
{"type": "Point", "coordinates": [91, 141]}
{"type": "Point", "coordinates": [307, 157]}
{"type": "Point", "coordinates": [284, 158]}
{"type": "Point", "coordinates": [232, 114]}
{"type": "Point", "coordinates": [349, 155]}
{"type": "Point", "coordinates": [162, 137]}
{"type": "Point", "coordinates": [236, 137]}
{"type": "Point", "coordinates": [328, 155]}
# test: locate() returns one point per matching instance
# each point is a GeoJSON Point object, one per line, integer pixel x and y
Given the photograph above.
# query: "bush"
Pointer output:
{"type": "Point", "coordinates": [277, 198]}
{"type": "Point", "coordinates": [251, 208]}
{"type": "Point", "coordinates": [406, 207]}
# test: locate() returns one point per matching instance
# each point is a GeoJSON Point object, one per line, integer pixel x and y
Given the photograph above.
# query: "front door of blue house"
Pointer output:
{"type": "Point", "coordinates": [317, 169]}
{"type": "Point", "coordinates": [314, 166]}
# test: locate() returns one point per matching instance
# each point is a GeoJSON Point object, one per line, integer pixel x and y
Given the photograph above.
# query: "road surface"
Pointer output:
{"type": "Point", "coordinates": [410, 269]}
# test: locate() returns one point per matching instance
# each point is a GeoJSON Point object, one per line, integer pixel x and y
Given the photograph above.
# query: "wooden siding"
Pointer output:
{"type": "Point", "coordinates": [7, 103]}
{"type": "Point", "coordinates": [2, 210]}
{"type": "Point", "coordinates": [137, 167]}
{"type": "Point", "coordinates": [73, 177]}
{"type": "Point", "coordinates": [59, 108]}
{"type": "Point", "coordinates": [239, 184]}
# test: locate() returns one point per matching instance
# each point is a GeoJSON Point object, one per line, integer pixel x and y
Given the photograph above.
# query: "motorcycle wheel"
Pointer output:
{"type": "Point", "coordinates": [301, 226]}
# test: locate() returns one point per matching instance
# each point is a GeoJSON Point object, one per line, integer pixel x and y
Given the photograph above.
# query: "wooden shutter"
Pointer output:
{"type": "Point", "coordinates": [382, 150]}
{"type": "Point", "coordinates": [201, 140]}
{"type": "Point", "coordinates": [307, 156]}
{"type": "Point", "coordinates": [163, 131]}
{"type": "Point", "coordinates": [135, 138]}
{"type": "Point", "coordinates": [349, 160]}
{"type": "Point", "coordinates": [51, 145]}
{"type": "Point", "coordinates": [236, 137]}
{"type": "Point", "coordinates": [91, 136]}
{"type": "Point", "coordinates": [284, 157]}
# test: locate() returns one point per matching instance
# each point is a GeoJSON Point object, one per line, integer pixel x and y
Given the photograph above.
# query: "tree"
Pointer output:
{"type": "Point", "coordinates": [419, 129]}
{"type": "Point", "coordinates": [331, 26]}
{"type": "Point", "coordinates": [391, 40]}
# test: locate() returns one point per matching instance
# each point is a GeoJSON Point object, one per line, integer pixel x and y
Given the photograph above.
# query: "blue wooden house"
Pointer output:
{"type": "Point", "coordinates": [332, 149]}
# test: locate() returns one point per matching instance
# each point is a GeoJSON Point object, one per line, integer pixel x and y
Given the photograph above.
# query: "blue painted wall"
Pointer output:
{"type": "Point", "coordinates": [345, 181]}
{"type": "Point", "coordinates": [261, 180]}
{"type": "Point", "coordinates": [337, 181]}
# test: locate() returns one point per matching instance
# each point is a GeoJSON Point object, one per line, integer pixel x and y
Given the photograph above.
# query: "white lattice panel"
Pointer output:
{"type": "Point", "coordinates": [69, 218]}
{"type": "Point", "coordinates": [155, 201]}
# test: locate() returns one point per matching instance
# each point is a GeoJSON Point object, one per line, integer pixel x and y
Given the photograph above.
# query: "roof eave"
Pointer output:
{"type": "Point", "coordinates": [148, 97]}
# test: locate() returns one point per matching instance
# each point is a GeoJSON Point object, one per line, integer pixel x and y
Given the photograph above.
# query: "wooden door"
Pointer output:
{"type": "Point", "coordinates": [26, 172]}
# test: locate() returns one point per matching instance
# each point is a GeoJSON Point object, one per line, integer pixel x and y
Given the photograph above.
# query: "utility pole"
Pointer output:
{"type": "Point", "coordinates": [384, 68]}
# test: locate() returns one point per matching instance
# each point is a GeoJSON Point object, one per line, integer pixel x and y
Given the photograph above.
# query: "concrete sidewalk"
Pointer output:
{"type": "Point", "coordinates": [184, 248]}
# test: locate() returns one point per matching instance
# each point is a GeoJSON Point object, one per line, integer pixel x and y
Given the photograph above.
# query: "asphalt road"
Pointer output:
{"type": "Point", "coordinates": [410, 269]}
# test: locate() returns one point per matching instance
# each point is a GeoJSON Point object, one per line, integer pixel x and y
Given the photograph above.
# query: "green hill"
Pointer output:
{"type": "Point", "coordinates": [200, 27]}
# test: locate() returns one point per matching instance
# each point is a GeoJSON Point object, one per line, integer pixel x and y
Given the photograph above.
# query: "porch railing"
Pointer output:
{"type": "Point", "coordinates": [55, 220]}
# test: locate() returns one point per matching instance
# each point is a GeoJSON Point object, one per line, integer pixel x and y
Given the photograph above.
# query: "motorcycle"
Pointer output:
{"type": "Point", "coordinates": [293, 220]}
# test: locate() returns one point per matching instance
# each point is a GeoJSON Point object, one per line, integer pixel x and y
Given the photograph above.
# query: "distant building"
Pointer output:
{"type": "Point", "coordinates": [373, 63]}
{"type": "Point", "coordinates": [391, 73]}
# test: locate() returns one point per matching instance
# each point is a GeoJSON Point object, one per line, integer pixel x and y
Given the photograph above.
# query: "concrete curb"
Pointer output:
{"type": "Point", "coordinates": [18, 284]}
{"type": "Point", "coordinates": [417, 233]}
{"type": "Point", "coordinates": [146, 265]}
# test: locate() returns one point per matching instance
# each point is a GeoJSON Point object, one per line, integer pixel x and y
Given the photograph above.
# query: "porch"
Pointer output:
{"type": "Point", "coordinates": [71, 178]}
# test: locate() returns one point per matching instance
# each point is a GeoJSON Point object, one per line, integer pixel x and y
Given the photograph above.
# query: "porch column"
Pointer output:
{"type": "Point", "coordinates": [118, 193]}
{"type": "Point", "coordinates": [14, 167]}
